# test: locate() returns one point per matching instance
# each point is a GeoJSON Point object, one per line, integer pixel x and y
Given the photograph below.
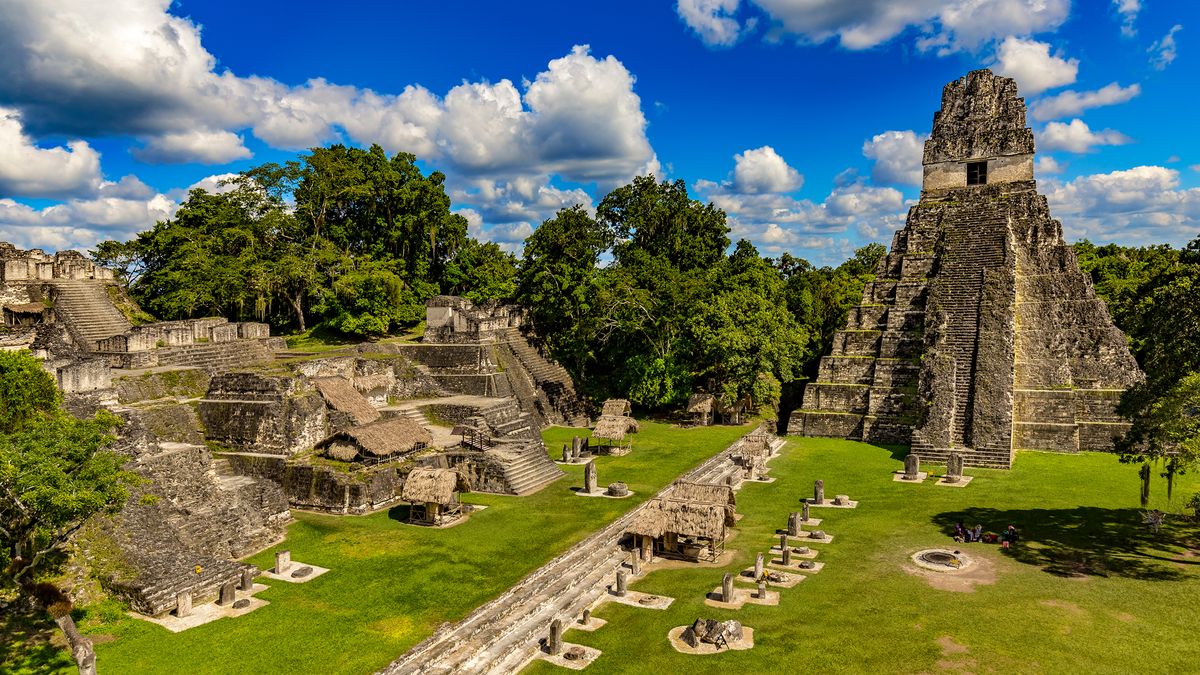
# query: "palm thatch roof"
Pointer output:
{"type": "Point", "coordinates": [737, 406]}
{"type": "Point", "coordinates": [436, 486]}
{"type": "Point", "coordinates": [616, 406]}
{"type": "Point", "coordinates": [689, 519]}
{"type": "Point", "coordinates": [341, 395]}
{"type": "Point", "coordinates": [756, 445]}
{"type": "Point", "coordinates": [700, 403]}
{"type": "Point", "coordinates": [614, 427]}
{"type": "Point", "coordinates": [365, 383]}
{"type": "Point", "coordinates": [707, 493]}
{"type": "Point", "coordinates": [26, 308]}
{"type": "Point", "coordinates": [386, 438]}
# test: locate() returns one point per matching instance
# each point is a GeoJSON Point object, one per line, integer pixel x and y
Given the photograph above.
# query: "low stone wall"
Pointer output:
{"type": "Point", "coordinates": [182, 383]}
{"type": "Point", "coordinates": [260, 413]}
{"type": "Point", "coordinates": [323, 488]}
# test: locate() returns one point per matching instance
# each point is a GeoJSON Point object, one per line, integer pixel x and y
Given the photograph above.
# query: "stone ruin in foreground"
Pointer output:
{"type": "Point", "coordinates": [979, 333]}
{"type": "Point", "coordinates": [336, 431]}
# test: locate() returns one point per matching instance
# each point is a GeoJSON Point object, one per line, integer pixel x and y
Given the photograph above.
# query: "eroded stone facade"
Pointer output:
{"type": "Point", "coordinates": [979, 333]}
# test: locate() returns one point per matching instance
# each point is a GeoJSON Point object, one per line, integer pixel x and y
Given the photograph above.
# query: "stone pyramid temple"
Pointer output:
{"type": "Point", "coordinates": [979, 333]}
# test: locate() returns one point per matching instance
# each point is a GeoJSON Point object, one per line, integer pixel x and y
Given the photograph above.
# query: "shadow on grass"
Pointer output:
{"type": "Point", "coordinates": [400, 513]}
{"type": "Point", "coordinates": [1088, 541]}
{"type": "Point", "coordinates": [27, 644]}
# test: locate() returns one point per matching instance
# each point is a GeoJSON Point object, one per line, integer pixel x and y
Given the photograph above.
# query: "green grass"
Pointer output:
{"type": "Point", "coordinates": [391, 583]}
{"type": "Point", "coordinates": [1088, 589]}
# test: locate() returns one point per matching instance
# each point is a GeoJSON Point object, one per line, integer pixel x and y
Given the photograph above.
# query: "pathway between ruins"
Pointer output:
{"type": "Point", "coordinates": [502, 636]}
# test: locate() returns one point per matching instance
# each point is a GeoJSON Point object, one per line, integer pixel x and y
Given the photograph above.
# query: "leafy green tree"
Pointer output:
{"type": "Point", "coordinates": [662, 219]}
{"type": "Point", "coordinates": [558, 281]}
{"type": "Point", "coordinates": [55, 473]}
{"type": "Point", "coordinates": [482, 273]}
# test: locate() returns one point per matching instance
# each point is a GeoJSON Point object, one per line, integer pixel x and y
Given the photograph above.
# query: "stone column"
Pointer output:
{"type": "Point", "coordinates": [762, 590]}
{"type": "Point", "coordinates": [589, 477]}
{"type": "Point", "coordinates": [566, 454]}
{"type": "Point", "coordinates": [804, 511]}
{"type": "Point", "coordinates": [587, 617]}
{"type": "Point", "coordinates": [787, 556]}
{"type": "Point", "coordinates": [758, 566]}
{"type": "Point", "coordinates": [283, 562]}
{"type": "Point", "coordinates": [954, 468]}
{"type": "Point", "coordinates": [576, 447]}
{"type": "Point", "coordinates": [247, 578]}
{"type": "Point", "coordinates": [783, 542]}
{"type": "Point", "coordinates": [620, 588]}
{"type": "Point", "coordinates": [819, 492]}
{"type": "Point", "coordinates": [228, 593]}
{"type": "Point", "coordinates": [727, 588]}
{"type": "Point", "coordinates": [635, 564]}
{"type": "Point", "coordinates": [554, 644]}
{"type": "Point", "coordinates": [794, 528]}
{"type": "Point", "coordinates": [183, 604]}
{"type": "Point", "coordinates": [912, 466]}
{"type": "Point", "coordinates": [647, 548]}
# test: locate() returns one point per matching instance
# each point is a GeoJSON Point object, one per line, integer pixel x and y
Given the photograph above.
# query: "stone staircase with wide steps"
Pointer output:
{"type": "Point", "coordinates": [216, 356]}
{"type": "Point", "coordinates": [87, 311]}
{"type": "Point", "coordinates": [502, 636]}
{"type": "Point", "coordinates": [527, 467]}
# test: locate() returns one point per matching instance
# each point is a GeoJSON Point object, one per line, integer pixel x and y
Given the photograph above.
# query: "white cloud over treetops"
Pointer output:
{"type": "Point", "coordinates": [1142, 205]}
{"type": "Point", "coordinates": [27, 170]}
{"type": "Point", "coordinates": [897, 157]}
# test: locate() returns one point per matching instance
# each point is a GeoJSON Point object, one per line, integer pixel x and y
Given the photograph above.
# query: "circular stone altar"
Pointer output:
{"type": "Point", "coordinates": [942, 560]}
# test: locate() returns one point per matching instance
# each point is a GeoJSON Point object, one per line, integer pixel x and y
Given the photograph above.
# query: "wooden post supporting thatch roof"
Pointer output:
{"type": "Point", "coordinates": [700, 403]}
{"type": "Point", "coordinates": [433, 486]}
{"type": "Point", "coordinates": [341, 395]}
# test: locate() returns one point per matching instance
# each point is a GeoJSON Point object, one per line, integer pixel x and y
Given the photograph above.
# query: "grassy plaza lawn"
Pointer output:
{"type": "Point", "coordinates": [1089, 589]}
{"type": "Point", "coordinates": [391, 584]}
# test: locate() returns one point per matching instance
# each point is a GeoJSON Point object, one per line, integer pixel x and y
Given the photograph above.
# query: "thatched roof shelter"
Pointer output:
{"type": "Point", "coordinates": [433, 486]}
{"type": "Point", "coordinates": [689, 519]}
{"type": "Point", "coordinates": [700, 403]}
{"type": "Point", "coordinates": [26, 308]}
{"type": "Point", "coordinates": [707, 493]}
{"type": "Point", "coordinates": [368, 383]}
{"type": "Point", "coordinates": [614, 427]}
{"type": "Point", "coordinates": [616, 406]}
{"type": "Point", "coordinates": [756, 445]}
{"type": "Point", "coordinates": [341, 395]}
{"type": "Point", "coordinates": [384, 439]}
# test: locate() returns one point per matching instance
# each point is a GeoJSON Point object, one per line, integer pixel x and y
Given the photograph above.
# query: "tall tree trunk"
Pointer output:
{"type": "Point", "coordinates": [298, 307]}
{"type": "Point", "coordinates": [81, 647]}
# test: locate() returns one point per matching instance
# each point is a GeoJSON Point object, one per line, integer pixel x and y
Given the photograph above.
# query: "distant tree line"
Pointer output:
{"type": "Point", "coordinates": [648, 299]}
{"type": "Point", "coordinates": [1153, 294]}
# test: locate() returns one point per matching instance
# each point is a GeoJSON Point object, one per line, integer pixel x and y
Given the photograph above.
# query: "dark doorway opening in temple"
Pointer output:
{"type": "Point", "coordinates": [977, 173]}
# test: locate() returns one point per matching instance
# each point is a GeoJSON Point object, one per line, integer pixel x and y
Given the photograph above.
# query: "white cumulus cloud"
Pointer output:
{"type": "Point", "coordinates": [1046, 165]}
{"type": "Point", "coordinates": [1076, 136]}
{"type": "Point", "coordinates": [1071, 103]}
{"type": "Point", "coordinates": [199, 145]}
{"type": "Point", "coordinates": [1128, 11]}
{"type": "Point", "coordinates": [30, 171]}
{"type": "Point", "coordinates": [1141, 205]}
{"type": "Point", "coordinates": [763, 170]}
{"type": "Point", "coordinates": [713, 20]}
{"type": "Point", "coordinates": [897, 156]}
{"type": "Point", "coordinates": [1032, 65]}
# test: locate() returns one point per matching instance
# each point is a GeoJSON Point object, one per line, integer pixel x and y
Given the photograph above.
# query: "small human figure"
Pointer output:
{"type": "Point", "coordinates": [1009, 537]}
{"type": "Point", "coordinates": [960, 532]}
{"type": "Point", "coordinates": [977, 533]}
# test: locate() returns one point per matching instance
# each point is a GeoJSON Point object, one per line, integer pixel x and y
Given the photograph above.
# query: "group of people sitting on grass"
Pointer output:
{"type": "Point", "coordinates": [976, 534]}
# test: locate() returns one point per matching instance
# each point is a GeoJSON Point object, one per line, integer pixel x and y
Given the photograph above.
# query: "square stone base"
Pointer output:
{"type": "Point", "coordinates": [961, 482]}
{"type": "Point", "coordinates": [898, 477]}
{"type": "Point", "coordinates": [747, 576]}
{"type": "Point", "coordinates": [741, 596]}
{"type": "Point", "coordinates": [635, 599]}
{"type": "Point", "coordinates": [287, 576]}
{"type": "Point", "coordinates": [777, 563]}
{"type": "Point", "coordinates": [589, 654]}
{"type": "Point", "coordinates": [828, 504]}
{"type": "Point", "coordinates": [592, 624]}
{"type": "Point", "coordinates": [208, 612]}
{"type": "Point", "coordinates": [775, 550]}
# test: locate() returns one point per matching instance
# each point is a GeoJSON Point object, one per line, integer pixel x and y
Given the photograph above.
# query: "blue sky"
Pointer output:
{"type": "Point", "coordinates": [803, 119]}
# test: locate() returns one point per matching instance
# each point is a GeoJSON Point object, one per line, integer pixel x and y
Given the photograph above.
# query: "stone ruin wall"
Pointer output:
{"type": "Point", "coordinates": [979, 332]}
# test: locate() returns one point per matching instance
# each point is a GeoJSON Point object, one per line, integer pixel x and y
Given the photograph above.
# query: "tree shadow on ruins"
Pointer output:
{"type": "Point", "coordinates": [1089, 541]}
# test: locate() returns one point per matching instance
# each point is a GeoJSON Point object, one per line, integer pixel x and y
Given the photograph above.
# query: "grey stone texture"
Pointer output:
{"type": "Point", "coordinates": [979, 333]}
